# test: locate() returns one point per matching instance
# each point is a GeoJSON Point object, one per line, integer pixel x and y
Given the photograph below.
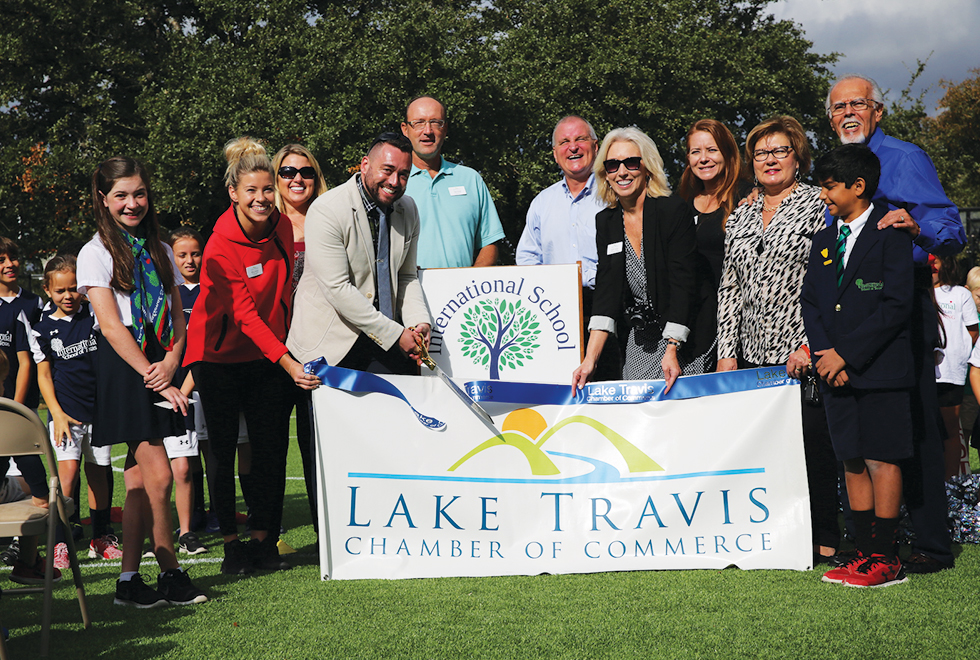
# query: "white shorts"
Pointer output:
{"type": "Point", "coordinates": [179, 446]}
{"type": "Point", "coordinates": [80, 444]}
{"type": "Point", "coordinates": [201, 427]}
{"type": "Point", "coordinates": [10, 489]}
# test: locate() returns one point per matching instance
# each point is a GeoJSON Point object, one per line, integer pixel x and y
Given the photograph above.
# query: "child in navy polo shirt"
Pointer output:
{"type": "Point", "coordinates": [22, 386]}
{"type": "Point", "coordinates": [857, 303]}
{"type": "Point", "coordinates": [184, 451]}
{"type": "Point", "coordinates": [31, 481]}
{"type": "Point", "coordinates": [13, 342]}
{"type": "Point", "coordinates": [66, 377]}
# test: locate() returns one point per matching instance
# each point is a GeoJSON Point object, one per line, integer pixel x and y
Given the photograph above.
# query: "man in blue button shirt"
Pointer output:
{"type": "Point", "coordinates": [910, 188]}
{"type": "Point", "coordinates": [460, 225]}
{"type": "Point", "coordinates": [560, 226]}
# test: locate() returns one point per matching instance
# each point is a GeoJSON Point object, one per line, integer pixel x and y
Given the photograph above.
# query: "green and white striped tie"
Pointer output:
{"type": "Point", "coordinates": [845, 231]}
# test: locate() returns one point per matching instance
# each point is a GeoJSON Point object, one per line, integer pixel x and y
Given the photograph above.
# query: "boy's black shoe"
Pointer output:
{"type": "Point", "coordinates": [11, 555]}
{"type": "Point", "coordinates": [922, 563]}
{"type": "Point", "coordinates": [191, 545]}
{"type": "Point", "coordinates": [177, 588]}
{"type": "Point", "coordinates": [136, 593]}
{"type": "Point", "coordinates": [265, 555]}
{"type": "Point", "coordinates": [238, 560]}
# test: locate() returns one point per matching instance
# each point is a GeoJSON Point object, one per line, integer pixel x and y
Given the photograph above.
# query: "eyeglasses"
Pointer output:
{"type": "Point", "coordinates": [612, 165]}
{"type": "Point", "coordinates": [290, 172]}
{"type": "Point", "coordinates": [858, 105]}
{"type": "Point", "coordinates": [418, 124]}
{"type": "Point", "coordinates": [761, 155]}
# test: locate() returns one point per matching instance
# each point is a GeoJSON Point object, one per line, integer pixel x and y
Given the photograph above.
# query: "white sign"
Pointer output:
{"type": "Point", "coordinates": [696, 482]}
{"type": "Point", "coordinates": [515, 323]}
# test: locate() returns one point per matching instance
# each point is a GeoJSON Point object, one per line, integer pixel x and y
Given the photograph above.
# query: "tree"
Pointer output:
{"type": "Point", "coordinates": [954, 136]}
{"type": "Point", "coordinates": [73, 74]}
{"type": "Point", "coordinates": [499, 334]}
{"type": "Point", "coordinates": [170, 82]}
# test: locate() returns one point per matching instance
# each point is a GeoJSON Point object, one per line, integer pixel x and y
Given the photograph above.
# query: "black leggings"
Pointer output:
{"type": "Point", "coordinates": [263, 392]}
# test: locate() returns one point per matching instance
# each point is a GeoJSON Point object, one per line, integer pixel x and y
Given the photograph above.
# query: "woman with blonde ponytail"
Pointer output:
{"type": "Point", "coordinates": [237, 353]}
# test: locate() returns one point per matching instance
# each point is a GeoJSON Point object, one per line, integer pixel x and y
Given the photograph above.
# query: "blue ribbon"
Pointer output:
{"type": "Point", "coordinates": [351, 380]}
{"type": "Point", "coordinates": [619, 392]}
{"type": "Point", "coordinates": [628, 391]}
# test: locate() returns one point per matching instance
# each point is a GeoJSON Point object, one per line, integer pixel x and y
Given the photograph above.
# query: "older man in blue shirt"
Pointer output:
{"type": "Point", "coordinates": [560, 226]}
{"type": "Point", "coordinates": [910, 188]}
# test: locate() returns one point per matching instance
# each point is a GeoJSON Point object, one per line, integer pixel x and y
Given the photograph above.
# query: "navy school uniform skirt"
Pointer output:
{"type": "Point", "coordinates": [125, 410]}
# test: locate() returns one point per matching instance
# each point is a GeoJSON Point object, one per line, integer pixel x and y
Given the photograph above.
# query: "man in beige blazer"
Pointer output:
{"type": "Point", "coordinates": [339, 311]}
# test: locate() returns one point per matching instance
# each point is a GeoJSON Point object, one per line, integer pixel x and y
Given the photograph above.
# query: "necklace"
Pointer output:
{"type": "Point", "coordinates": [769, 209]}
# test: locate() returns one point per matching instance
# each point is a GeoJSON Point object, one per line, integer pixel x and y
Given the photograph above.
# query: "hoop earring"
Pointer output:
{"type": "Point", "coordinates": [798, 177]}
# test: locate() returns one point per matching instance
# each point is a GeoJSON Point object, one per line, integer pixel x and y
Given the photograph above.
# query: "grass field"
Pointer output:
{"type": "Point", "coordinates": [668, 614]}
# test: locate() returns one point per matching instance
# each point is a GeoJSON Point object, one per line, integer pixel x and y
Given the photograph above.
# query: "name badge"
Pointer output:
{"type": "Point", "coordinates": [614, 248]}
{"type": "Point", "coordinates": [254, 271]}
{"type": "Point", "coordinates": [457, 190]}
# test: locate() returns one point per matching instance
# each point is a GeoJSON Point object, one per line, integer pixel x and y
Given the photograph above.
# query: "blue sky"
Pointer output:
{"type": "Point", "coordinates": [884, 38]}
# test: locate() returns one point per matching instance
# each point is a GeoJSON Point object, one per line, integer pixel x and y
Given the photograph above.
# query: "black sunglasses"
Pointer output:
{"type": "Point", "coordinates": [612, 165]}
{"type": "Point", "coordinates": [290, 172]}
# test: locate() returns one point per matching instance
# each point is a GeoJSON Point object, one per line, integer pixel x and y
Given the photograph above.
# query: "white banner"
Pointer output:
{"type": "Point", "coordinates": [690, 482]}
{"type": "Point", "coordinates": [515, 323]}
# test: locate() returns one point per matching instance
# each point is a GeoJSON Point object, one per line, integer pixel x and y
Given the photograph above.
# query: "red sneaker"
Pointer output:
{"type": "Point", "coordinates": [105, 547]}
{"type": "Point", "coordinates": [837, 575]}
{"type": "Point", "coordinates": [24, 574]}
{"type": "Point", "coordinates": [61, 561]}
{"type": "Point", "coordinates": [877, 571]}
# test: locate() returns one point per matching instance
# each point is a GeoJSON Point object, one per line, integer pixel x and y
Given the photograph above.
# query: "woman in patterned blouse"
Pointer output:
{"type": "Point", "coordinates": [760, 322]}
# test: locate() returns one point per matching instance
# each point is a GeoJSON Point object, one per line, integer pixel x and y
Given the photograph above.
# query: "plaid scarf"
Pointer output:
{"type": "Point", "coordinates": [149, 299]}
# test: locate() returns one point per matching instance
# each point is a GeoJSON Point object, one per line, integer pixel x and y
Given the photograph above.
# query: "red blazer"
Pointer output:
{"type": "Point", "coordinates": [243, 311]}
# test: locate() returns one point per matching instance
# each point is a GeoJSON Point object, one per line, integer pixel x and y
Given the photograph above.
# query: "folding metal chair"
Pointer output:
{"type": "Point", "coordinates": [23, 434]}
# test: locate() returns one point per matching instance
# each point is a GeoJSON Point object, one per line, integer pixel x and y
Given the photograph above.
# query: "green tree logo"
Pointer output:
{"type": "Point", "coordinates": [499, 333]}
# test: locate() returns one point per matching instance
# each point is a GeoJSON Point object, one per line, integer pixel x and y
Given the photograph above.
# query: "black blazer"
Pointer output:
{"type": "Point", "coordinates": [670, 249]}
{"type": "Point", "coordinates": [866, 319]}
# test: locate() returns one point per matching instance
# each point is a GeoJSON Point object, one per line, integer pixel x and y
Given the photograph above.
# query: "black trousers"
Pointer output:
{"type": "Point", "coordinates": [365, 350]}
{"type": "Point", "coordinates": [924, 474]}
{"type": "Point", "coordinates": [307, 448]}
{"type": "Point", "coordinates": [263, 392]}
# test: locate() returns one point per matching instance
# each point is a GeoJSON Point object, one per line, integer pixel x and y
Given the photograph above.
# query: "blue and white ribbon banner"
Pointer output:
{"type": "Point", "coordinates": [617, 476]}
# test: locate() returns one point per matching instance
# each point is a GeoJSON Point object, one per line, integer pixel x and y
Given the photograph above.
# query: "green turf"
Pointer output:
{"type": "Point", "coordinates": [669, 614]}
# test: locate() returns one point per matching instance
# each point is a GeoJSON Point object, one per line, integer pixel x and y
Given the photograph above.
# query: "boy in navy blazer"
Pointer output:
{"type": "Point", "coordinates": [857, 302]}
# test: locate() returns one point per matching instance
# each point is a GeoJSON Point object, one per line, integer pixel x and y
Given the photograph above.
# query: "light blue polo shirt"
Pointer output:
{"type": "Point", "coordinates": [457, 215]}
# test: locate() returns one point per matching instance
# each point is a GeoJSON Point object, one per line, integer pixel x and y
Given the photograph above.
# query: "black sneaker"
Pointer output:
{"type": "Point", "coordinates": [265, 555]}
{"type": "Point", "coordinates": [177, 588]}
{"type": "Point", "coordinates": [237, 560]}
{"type": "Point", "coordinates": [191, 545]}
{"type": "Point", "coordinates": [11, 555]}
{"type": "Point", "coordinates": [136, 593]}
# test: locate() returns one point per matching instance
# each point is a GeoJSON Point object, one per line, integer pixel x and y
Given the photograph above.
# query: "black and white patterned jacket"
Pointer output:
{"type": "Point", "coordinates": [759, 314]}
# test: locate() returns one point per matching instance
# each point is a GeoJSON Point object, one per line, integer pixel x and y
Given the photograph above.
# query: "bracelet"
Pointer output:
{"type": "Point", "coordinates": [673, 342]}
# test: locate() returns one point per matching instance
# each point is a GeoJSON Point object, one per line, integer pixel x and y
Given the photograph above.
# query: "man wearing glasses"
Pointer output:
{"type": "Point", "coordinates": [910, 188]}
{"type": "Point", "coordinates": [460, 226]}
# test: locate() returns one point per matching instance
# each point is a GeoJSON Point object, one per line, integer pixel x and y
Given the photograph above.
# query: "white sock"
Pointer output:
{"type": "Point", "coordinates": [126, 576]}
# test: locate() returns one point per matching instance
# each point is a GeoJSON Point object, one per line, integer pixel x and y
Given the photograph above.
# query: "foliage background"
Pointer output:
{"type": "Point", "coordinates": [171, 81]}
